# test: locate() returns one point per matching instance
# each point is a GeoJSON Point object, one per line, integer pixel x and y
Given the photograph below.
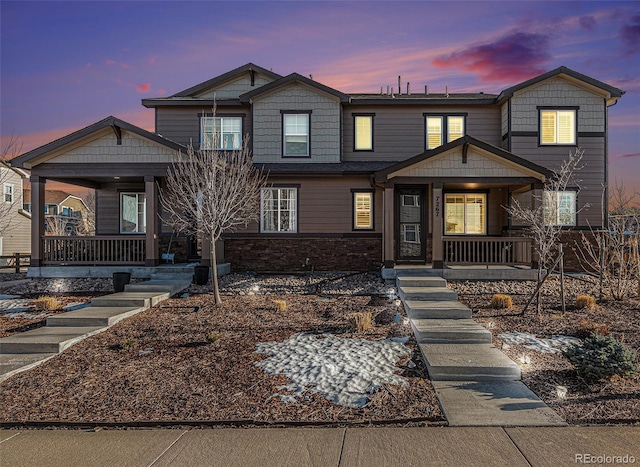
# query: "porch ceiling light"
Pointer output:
{"type": "Point", "coordinates": [116, 178]}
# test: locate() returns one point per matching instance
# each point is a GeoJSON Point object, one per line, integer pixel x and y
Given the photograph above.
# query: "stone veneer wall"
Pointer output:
{"type": "Point", "coordinates": [291, 254]}
{"type": "Point", "coordinates": [178, 246]}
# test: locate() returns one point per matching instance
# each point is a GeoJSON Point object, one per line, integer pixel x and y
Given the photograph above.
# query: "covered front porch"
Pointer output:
{"type": "Point", "coordinates": [445, 208]}
{"type": "Point", "coordinates": [126, 166]}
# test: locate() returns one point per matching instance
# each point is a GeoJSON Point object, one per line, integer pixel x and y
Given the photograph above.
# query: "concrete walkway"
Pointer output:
{"type": "Point", "coordinates": [438, 446]}
{"type": "Point", "coordinates": [476, 384]}
{"type": "Point", "coordinates": [25, 350]}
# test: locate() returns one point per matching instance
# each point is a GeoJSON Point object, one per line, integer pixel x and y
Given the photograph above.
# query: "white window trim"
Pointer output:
{"type": "Point", "coordinates": [207, 139]}
{"type": "Point", "coordinates": [293, 218]}
{"type": "Point", "coordinates": [415, 203]}
{"type": "Point", "coordinates": [8, 189]}
{"type": "Point", "coordinates": [557, 209]}
{"type": "Point", "coordinates": [307, 116]}
{"type": "Point", "coordinates": [445, 129]}
{"type": "Point", "coordinates": [415, 228]}
{"type": "Point", "coordinates": [356, 210]}
{"type": "Point", "coordinates": [136, 194]}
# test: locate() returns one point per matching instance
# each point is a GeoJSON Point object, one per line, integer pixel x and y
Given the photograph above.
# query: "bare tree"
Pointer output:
{"type": "Point", "coordinates": [613, 253]}
{"type": "Point", "coordinates": [11, 200]}
{"type": "Point", "coordinates": [56, 226]}
{"type": "Point", "coordinates": [544, 219]}
{"type": "Point", "coordinates": [87, 225]}
{"type": "Point", "coordinates": [211, 191]}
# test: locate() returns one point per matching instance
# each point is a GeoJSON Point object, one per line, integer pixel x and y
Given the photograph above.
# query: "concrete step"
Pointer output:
{"type": "Point", "coordinates": [427, 293]}
{"type": "Point", "coordinates": [417, 271]}
{"type": "Point", "coordinates": [445, 309]}
{"type": "Point", "coordinates": [156, 285]}
{"type": "Point", "coordinates": [454, 331]}
{"type": "Point", "coordinates": [186, 276]}
{"type": "Point", "coordinates": [468, 362]}
{"type": "Point", "coordinates": [130, 299]}
{"type": "Point", "coordinates": [93, 316]}
{"type": "Point", "coordinates": [420, 281]}
{"type": "Point", "coordinates": [12, 363]}
{"type": "Point", "coordinates": [46, 339]}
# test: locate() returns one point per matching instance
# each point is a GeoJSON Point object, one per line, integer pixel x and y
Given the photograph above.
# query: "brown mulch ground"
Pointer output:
{"type": "Point", "coordinates": [14, 323]}
{"type": "Point", "coordinates": [158, 365]}
{"type": "Point", "coordinates": [609, 401]}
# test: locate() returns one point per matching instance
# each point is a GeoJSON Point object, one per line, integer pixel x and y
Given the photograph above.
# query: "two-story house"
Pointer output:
{"type": "Point", "coordinates": [356, 180]}
{"type": "Point", "coordinates": [65, 214]}
{"type": "Point", "coordinates": [15, 223]}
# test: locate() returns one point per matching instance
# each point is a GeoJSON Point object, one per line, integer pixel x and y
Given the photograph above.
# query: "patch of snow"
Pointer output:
{"type": "Point", "coordinates": [553, 345]}
{"type": "Point", "coordinates": [344, 371]}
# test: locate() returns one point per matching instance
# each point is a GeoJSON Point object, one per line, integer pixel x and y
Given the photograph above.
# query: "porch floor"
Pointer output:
{"type": "Point", "coordinates": [162, 271]}
{"type": "Point", "coordinates": [465, 271]}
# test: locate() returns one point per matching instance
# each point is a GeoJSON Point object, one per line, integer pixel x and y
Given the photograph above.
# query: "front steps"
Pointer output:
{"type": "Point", "coordinates": [476, 384]}
{"type": "Point", "coordinates": [23, 351]}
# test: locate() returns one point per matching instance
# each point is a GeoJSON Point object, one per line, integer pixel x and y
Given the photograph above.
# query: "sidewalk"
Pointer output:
{"type": "Point", "coordinates": [441, 446]}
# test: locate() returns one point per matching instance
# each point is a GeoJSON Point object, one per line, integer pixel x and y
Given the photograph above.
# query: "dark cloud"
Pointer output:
{"type": "Point", "coordinates": [514, 57]}
{"type": "Point", "coordinates": [630, 35]}
{"type": "Point", "coordinates": [588, 22]}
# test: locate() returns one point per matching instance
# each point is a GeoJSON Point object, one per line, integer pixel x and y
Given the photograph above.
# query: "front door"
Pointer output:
{"type": "Point", "coordinates": [410, 226]}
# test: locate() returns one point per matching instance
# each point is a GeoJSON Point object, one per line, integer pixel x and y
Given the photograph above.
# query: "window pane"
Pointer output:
{"type": "Point", "coordinates": [278, 210]}
{"type": "Point", "coordinates": [559, 207]}
{"type": "Point", "coordinates": [363, 210]}
{"type": "Point", "coordinates": [132, 213]}
{"type": "Point", "coordinates": [566, 125]}
{"type": "Point", "coordinates": [364, 132]}
{"type": "Point", "coordinates": [296, 135]}
{"type": "Point", "coordinates": [221, 133]}
{"type": "Point", "coordinates": [455, 128]}
{"type": "Point", "coordinates": [475, 215]}
{"type": "Point", "coordinates": [434, 132]}
{"type": "Point", "coordinates": [454, 214]}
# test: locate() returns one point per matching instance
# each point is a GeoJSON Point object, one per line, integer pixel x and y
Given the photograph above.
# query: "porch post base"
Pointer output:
{"type": "Point", "coordinates": [389, 264]}
{"type": "Point", "coordinates": [35, 263]}
{"type": "Point", "coordinates": [151, 262]}
{"type": "Point", "coordinates": [438, 264]}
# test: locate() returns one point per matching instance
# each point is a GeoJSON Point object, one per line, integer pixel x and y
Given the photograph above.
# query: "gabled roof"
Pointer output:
{"type": "Point", "coordinates": [293, 78]}
{"type": "Point", "coordinates": [51, 196]}
{"type": "Point", "coordinates": [381, 175]}
{"type": "Point", "coordinates": [225, 77]}
{"type": "Point", "coordinates": [110, 122]}
{"type": "Point", "coordinates": [22, 173]}
{"type": "Point", "coordinates": [563, 70]}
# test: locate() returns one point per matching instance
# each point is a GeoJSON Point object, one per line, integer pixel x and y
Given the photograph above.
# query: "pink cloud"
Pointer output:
{"type": "Point", "coordinates": [514, 57]}
{"type": "Point", "coordinates": [144, 87]}
{"type": "Point", "coordinates": [152, 60]}
{"type": "Point", "coordinates": [626, 156]}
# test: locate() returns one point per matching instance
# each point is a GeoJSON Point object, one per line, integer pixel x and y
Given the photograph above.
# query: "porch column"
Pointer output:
{"type": "Point", "coordinates": [151, 196]}
{"type": "Point", "coordinates": [37, 219]}
{"type": "Point", "coordinates": [387, 236]}
{"type": "Point", "coordinates": [438, 215]}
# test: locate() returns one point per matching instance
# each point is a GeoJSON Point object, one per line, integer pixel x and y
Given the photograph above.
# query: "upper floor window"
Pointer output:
{"type": "Point", "coordinates": [67, 211]}
{"type": "Point", "coordinates": [221, 133]}
{"type": "Point", "coordinates": [557, 126]}
{"type": "Point", "coordinates": [295, 138]}
{"type": "Point", "coordinates": [51, 209]}
{"type": "Point", "coordinates": [465, 213]}
{"type": "Point", "coordinates": [363, 137]}
{"type": "Point", "coordinates": [279, 210]}
{"type": "Point", "coordinates": [559, 207]}
{"type": "Point", "coordinates": [26, 207]}
{"type": "Point", "coordinates": [8, 193]}
{"type": "Point", "coordinates": [441, 129]}
{"type": "Point", "coordinates": [133, 213]}
{"type": "Point", "coordinates": [362, 210]}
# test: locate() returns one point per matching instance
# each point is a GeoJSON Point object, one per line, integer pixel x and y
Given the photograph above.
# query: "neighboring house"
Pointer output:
{"type": "Point", "coordinates": [356, 180]}
{"type": "Point", "coordinates": [65, 214]}
{"type": "Point", "coordinates": [15, 223]}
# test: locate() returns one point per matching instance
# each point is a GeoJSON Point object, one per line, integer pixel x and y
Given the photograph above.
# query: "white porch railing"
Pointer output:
{"type": "Point", "coordinates": [94, 250]}
{"type": "Point", "coordinates": [487, 250]}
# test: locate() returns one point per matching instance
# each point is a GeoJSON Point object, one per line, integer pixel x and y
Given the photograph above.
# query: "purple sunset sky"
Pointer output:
{"type": "Point", "coordinates": [65, 65]}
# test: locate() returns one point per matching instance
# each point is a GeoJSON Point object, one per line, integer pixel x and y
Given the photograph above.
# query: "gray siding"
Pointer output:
{"type": "Point", "coordinates": [399, 131]}
{"type": "Point", "coordinates": [233, 88]}
{"type": "Point", "coordinates": [591, 176]}
{"type": "Point", "coordinates": [325, 204]}
{"type": "Point", "coordinates": [324, 120]}
{"type": "Point", "coordinates": [182, 124]}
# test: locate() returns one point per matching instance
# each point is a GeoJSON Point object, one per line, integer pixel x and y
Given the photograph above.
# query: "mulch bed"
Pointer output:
{"type": "Point", "coordinates": [159, 365]}
{"type": "Point", "coordinates": [615, 400]}
{"type": "Point", "coordinates": [29, 320]}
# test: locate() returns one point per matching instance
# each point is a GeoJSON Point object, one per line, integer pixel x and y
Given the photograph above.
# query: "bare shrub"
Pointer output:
{"type": "Point", "coordinates": [586, 327]}
{"type": "Point", "coordinates": [281, 305]}
{"type": "Point", "coordinates": [499, 301]}
{"type": "Point", "coordinates": [585, 301]}
{"type": "Point", "coordinates": [360, 322]}
{"type": "Point", "coordinates": [45, 304]}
